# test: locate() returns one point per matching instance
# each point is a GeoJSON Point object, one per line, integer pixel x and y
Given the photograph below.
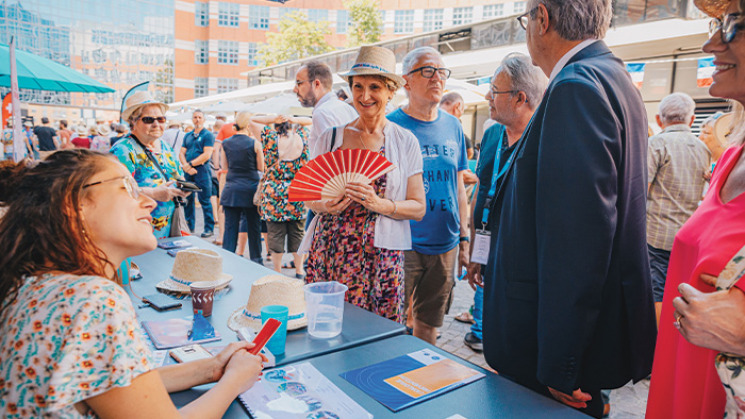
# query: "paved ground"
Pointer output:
{"type": "Point", "coordinates": [627, 402]}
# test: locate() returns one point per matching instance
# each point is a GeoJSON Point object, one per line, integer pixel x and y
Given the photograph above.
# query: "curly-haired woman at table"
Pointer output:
{"type": "Point", "coordinates": [359, 238]}
{"type": "Point", "coordinates": [69, 345]}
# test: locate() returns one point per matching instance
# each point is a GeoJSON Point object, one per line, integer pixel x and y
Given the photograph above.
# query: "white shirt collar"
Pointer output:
{"type": "Point", "coordinates": [328, 96]}
{"type": "Point", "coordinates": [568, 56]}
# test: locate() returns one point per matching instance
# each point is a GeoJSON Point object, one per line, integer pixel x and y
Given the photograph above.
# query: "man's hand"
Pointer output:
{"type": "Point", "coordinates": [474, 275]}
{"type": "Point", "coordinates": [713, 320]}
{"type": "Point", "coordinates": [463, 256]}
{"type": "Point", "coordinates": [578, 399]}
{"type": "Point", "coordinates": [470, 178]}
{"type": "Point", "coordinates": [191, 171]}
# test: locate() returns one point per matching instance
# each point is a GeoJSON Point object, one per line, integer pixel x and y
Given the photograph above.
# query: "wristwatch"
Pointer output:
{"type": "Point", "coordinates": [465, 239]}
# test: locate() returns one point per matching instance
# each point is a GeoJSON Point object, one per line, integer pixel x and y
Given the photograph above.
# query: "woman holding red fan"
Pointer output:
{"type": "Point", "coordinates": [358, 238]}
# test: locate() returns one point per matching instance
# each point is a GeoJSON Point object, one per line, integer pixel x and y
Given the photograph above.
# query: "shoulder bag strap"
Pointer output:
{"type": "Point", "coordinates": [333, 139]}
{"type": "Point", "coordinates": [151, 158]}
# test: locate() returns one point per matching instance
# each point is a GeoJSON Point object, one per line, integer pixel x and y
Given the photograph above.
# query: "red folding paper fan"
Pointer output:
{"type": "Point", "coordinates": [326, 176]}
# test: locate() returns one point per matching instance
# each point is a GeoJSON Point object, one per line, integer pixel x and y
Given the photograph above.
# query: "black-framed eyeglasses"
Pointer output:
{"type": "Point", "coordinates": [129, 185]}
{"type": "Point", "coordinates": [150, 119]}
{"type": "Point", "coordinates": [428, 72]}
{"type": "Point", "coordinates": [728, 26]}
{"type": "Point", "coordinates": [523, 18]}
{"type": "Point", "coordinates": [494, 91]}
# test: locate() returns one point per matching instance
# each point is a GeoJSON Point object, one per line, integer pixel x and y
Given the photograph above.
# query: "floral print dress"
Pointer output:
{"type": "Point", "coordinates": [147, 175]}
{"type": "Point", "coordinates": [275, 206]}
{"type": "Point", "coordinates": [343, 250]}
{"type": "Point", "coordinates": [64, 339]}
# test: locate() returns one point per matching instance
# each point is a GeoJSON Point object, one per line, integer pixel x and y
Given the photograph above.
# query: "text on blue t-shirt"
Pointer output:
{"type": "Point", "coordinates": [443, 147]}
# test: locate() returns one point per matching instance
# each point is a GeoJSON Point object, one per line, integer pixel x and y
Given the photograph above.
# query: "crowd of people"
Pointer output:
{"type": "Point", "coordinates": [582, 233]}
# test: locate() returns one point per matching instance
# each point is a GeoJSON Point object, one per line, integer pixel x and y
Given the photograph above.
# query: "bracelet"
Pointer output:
{"type": "Point", "coordinates": [395, 208]}
{"type": "Point", "coordinates": [465, 239]}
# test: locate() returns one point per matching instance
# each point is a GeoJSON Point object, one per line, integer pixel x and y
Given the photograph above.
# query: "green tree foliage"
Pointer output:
{"type": "Point", "coordinates": [366, 22]}
{"type": "Point", "coordinates": [297, 38]}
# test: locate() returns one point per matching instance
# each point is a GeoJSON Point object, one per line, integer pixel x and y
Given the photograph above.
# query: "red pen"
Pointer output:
{"type": "Point", "coordinates": [266, 333]}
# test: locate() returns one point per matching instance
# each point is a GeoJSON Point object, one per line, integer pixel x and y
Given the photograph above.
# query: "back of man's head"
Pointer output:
{"type": "Point", "coordinates": [44, 120]}
{"type": "Point", "coordinates": [63, 124]}
{"type": "Point", "coordinates": [451, 98]}
{"type": "Point", "coordinates": [321, 72]}
{"type": "Point", "coordinates": [677, 108]}
{"type": "Point", "coordinates": [525, 77]}
{"type": "Point", "coordinates": [577, 20]}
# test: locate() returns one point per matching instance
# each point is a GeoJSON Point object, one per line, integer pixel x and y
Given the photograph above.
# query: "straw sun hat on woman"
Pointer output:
{"type": "Point", "coordinates": [375, 61]}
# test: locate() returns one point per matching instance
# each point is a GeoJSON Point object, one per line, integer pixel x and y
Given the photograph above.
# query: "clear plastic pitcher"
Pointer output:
{"type": "Point", "coordinates": [324, 306]}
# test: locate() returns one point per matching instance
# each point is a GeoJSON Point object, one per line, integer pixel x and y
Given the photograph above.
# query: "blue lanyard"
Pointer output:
{"type": "Point", "coordinates": [496, 175]}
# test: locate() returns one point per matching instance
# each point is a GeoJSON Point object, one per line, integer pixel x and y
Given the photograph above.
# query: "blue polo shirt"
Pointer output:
{"type": "Point", "coordinates": [443, 147]}
{"type": "Point", "coordinates": [195, 144]}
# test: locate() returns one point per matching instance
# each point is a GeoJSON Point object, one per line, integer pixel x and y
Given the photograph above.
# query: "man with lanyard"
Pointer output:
{"type": "Point", "coordinates": [516, 90]}
{"type": "Point", "coordinates": [194, 157]}
{"type": "Point", "coordinates": [437, 239]}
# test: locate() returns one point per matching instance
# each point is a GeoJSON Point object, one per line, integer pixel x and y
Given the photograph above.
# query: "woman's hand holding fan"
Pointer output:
{"type": "Point", "coordinates": [326, 177]}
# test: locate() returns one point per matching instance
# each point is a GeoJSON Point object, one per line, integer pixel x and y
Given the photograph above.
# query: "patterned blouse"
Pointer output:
{"type": "Point", "coordinates": [65, 339]}
{"type": "Point", "coordinates": [146, 174]}
{"type": "Point", "coordinates": [274, 204]}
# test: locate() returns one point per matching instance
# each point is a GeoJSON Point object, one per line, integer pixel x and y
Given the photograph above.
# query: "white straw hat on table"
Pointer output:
{"type": "Point", "coordinates": [195, 265]}
{"type": "Point", "coordinates": [375, 61]}
{"type": "Point", "coordinates": [268, 291]}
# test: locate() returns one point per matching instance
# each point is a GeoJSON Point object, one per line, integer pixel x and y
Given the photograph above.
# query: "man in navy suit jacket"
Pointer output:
{"type": "Point", "coordinates": [568, 305]}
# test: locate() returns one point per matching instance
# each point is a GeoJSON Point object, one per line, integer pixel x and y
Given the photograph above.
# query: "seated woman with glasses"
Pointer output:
{"type": "Point", "coordinates": [701, 338]}
{"type": "Point", "coordinates": [151, 161]}
{"type": "Point", "coordinates": [69, 342]}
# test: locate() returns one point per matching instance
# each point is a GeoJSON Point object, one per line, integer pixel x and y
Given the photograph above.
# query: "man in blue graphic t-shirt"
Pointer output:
{"type": "Point", "coordinates": [429, 267]}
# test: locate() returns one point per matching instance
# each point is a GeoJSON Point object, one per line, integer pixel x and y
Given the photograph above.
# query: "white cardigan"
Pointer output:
{"type": "Point", "coordinates": [401, 149]}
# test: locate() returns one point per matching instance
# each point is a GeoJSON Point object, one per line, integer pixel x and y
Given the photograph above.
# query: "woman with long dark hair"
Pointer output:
{"type": "Point", "coordinates": [69, 343]}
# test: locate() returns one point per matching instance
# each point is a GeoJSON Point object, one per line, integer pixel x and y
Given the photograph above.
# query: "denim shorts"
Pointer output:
{"type": "Point", "coordinates": [658, 261]}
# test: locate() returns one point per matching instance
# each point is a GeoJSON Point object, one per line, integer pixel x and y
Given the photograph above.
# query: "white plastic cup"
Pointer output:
{"type": "Point", "coordinates": [324, 306]}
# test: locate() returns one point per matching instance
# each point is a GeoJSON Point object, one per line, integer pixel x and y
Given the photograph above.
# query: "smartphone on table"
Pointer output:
{"type": "Point", "coordinates": [161, 302]}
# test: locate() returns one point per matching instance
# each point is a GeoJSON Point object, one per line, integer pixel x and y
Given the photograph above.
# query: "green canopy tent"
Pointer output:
{"type": "Point", "coordinates": [39, 73]}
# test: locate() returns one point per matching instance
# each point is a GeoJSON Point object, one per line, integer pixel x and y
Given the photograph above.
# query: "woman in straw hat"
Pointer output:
{"type": "Point", "coordinates": [359, 238]}
{"type": "Point", "coordinates": [151, 161]}
{"type": "Point", "coordinates": [242, 158]}
{"type": "Point", "coordinates": [69, 342]}
{"type": "Point", "coordinates": [100, 141]}
{"type": "Point", "coordinates": [697, 319]}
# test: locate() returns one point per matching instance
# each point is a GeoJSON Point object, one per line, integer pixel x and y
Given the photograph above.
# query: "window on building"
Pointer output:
{"type": "Point", "coordinates": [228, 14]}
{"type": "Point", "coordinates": [382, 21]}
{"type": "Point", "coordinates": [318, 15]}
{"type": "Point", "coordinates": [201, 86]}
{"type": "Point", "coordinates": [403, 21]}
{"type": "Point", "coordinates": [201, 51]}
{"type": "Point", "coordinates": [286, 10]}
{"type": "Point", "coordinates": [258, 17]}
{"type": "Point", "coordinates": [225, 85]}
{"type": "Point", "coordinates": [493, 10]}
{"type": "Point", "coordinates": [520, 7]}
{"type": "Point", "coordinates": [462, 15]}
{"type": "Point", "coordinates": [253, 50]}
{"type": "Point", "coordinates": [433, 19]}
{"type": "Point", "coordinates": [227, 52]}
{"type": "Point", "coordinates": [342, 21]}
{"type": "Point", "coordinates": [201, 13]}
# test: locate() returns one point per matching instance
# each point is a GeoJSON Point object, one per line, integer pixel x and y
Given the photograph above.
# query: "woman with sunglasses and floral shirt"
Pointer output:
{"type": "Point", "coordinates": [146, 121]}
{"type": "Point", "coordinates": [697, 320]}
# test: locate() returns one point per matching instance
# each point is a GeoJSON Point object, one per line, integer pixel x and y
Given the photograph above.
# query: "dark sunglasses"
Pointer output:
{"type": "Point", "coordinates": [150, 119]}
{"type": "Point", "coordinates": [728, 26]}
{"type": "Point", "coordinates": [428, 72]}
